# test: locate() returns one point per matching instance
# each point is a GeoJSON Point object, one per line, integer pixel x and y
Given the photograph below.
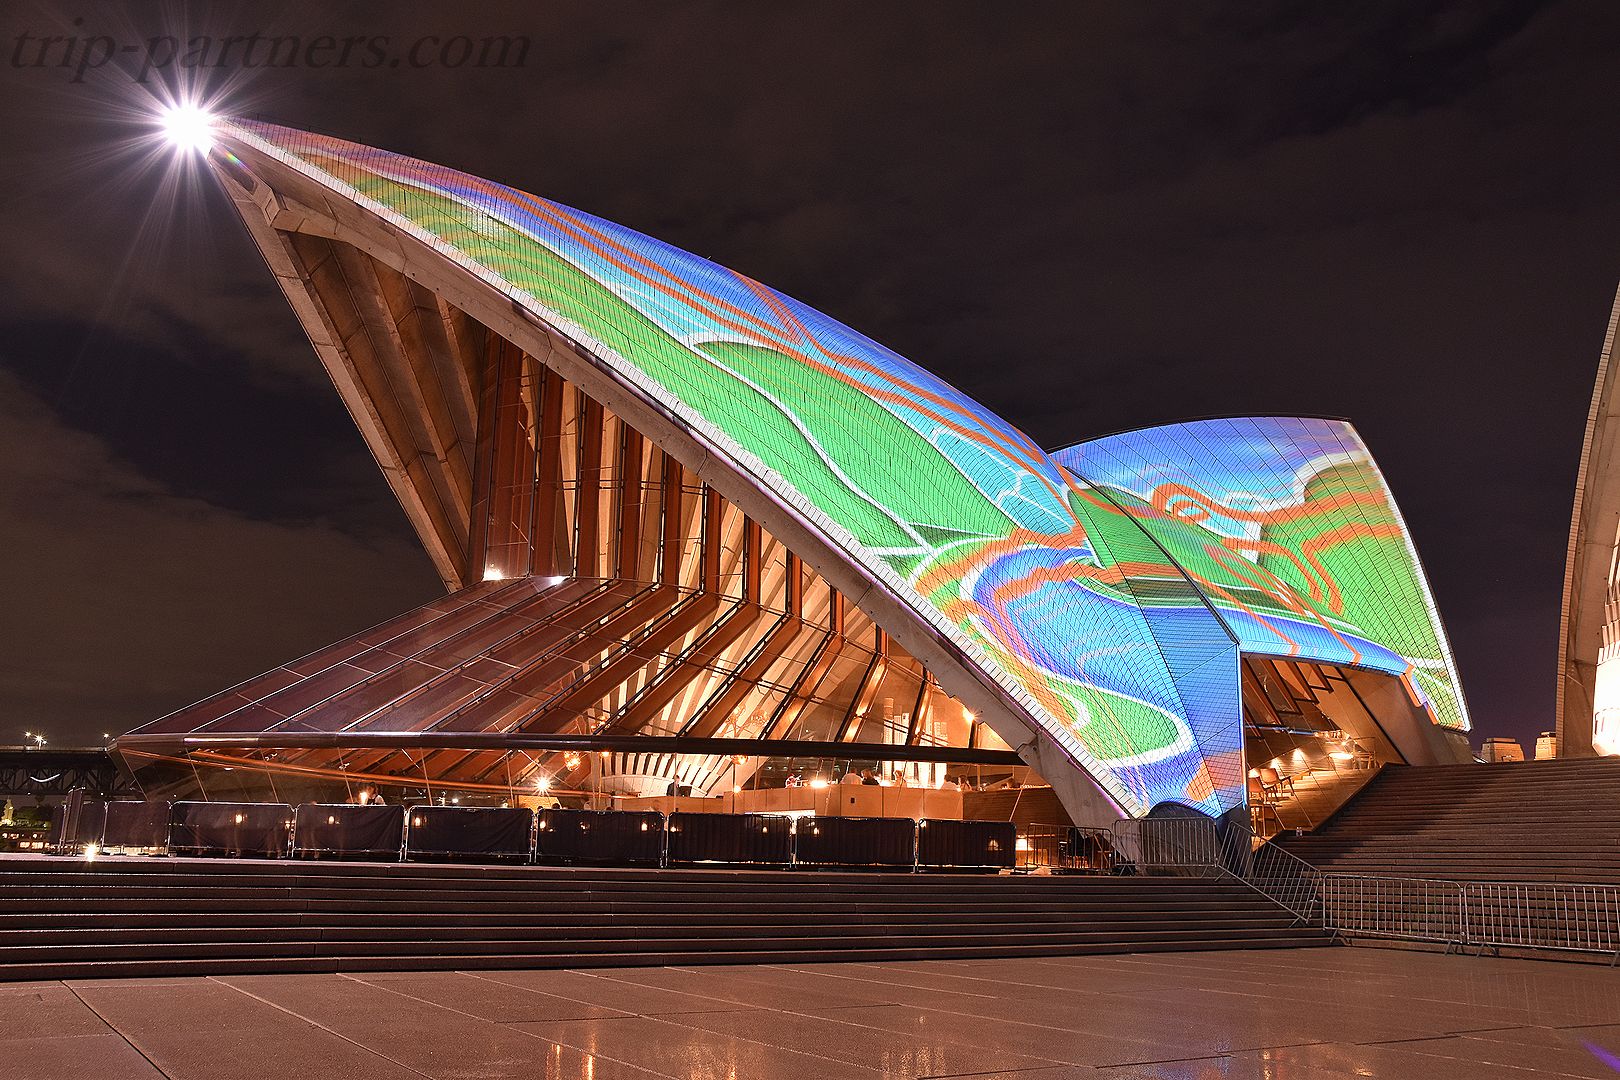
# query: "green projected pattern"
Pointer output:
{"type": "Point", "coordinates": [1286, 528]}
{"type": "Point", "coordinates": [1036, 577]}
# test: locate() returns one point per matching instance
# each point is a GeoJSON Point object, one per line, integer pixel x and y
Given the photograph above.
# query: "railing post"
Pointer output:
{"type": "Point", "coordinates": [1462, 917]}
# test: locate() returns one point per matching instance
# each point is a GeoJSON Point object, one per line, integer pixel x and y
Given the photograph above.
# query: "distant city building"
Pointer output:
{"type": "Point", "coordinates": [1501, 749]}
{"type": "Point", "coordinates": [1546, 746]}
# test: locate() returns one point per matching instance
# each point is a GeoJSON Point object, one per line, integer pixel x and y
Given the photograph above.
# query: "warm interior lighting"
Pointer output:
{"type": "Point", "coordinates": [1341, 755]}
{"type": "Point", "coordinates": [542, 783]}
{"type": "Point", "coordinates": [92, 850]}
{"type": "Point", "coordinates": [188, 127]}
{"type": "Point", "coordinates": [818, 783]}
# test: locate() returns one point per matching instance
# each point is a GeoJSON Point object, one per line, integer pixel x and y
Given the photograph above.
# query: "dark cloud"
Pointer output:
{"type": "Point", "coordinates": [125, 599]}
{"type": "Point", "coordinates": [1091, 216]}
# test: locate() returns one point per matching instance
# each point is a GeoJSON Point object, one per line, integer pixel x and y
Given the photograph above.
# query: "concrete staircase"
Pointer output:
{"type": "Point", "coordinates": [1525, 821]}
{"type": "Point", "coordinates": [63, 918]}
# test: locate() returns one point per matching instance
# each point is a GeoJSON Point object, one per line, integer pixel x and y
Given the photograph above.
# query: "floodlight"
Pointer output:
{"type": "Point", "coordinates": [188, 127]}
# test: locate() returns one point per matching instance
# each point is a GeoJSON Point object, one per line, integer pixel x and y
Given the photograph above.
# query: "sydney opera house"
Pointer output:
{"type": "Point", "coordinates": [1588, 715]}
{"type": "Point", "coordinates": [699, 538]}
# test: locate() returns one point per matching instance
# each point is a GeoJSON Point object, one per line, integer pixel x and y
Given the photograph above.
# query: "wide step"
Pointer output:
{"type": "Point", "coordinates": [1556, 821]}
{"type": "Point", "coordinates": [63, 919]}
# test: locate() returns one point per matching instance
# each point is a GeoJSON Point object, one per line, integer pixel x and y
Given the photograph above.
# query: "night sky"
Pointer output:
{"type": "Point", "coordinates": [1088, 216]}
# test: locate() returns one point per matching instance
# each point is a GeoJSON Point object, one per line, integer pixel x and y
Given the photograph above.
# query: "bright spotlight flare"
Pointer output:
{"type": "Point", "coordinates": [188, 127]}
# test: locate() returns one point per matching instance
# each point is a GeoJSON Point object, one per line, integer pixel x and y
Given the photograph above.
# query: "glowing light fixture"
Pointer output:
{"type": "Point", "coordinates": [542, 783]}
{"type": "Point", "coordinates": [188, 127]}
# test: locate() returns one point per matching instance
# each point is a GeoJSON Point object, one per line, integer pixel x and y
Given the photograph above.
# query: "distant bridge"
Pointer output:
{"type": "Point", "coordinates": [51, 774]}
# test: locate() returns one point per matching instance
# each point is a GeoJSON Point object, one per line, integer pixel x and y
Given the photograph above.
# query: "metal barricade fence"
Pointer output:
{"type": "Point", "coordinates": [1489, 915]}
{"type": "Point", "coordinates": [1204, 846]}
{"type": "Point", "coordinates": [1542, 915]}
{"type": "Point", "coordinates": [1180, 846]}
{"type": "Point", "coordinates": [1076, 849]}
{"type": "Point", "coordinates": [1406, 909]}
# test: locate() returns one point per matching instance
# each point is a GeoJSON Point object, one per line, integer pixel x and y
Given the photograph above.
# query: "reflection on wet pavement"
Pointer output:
{"type": "Point", "coordinates": [1314, 1014]}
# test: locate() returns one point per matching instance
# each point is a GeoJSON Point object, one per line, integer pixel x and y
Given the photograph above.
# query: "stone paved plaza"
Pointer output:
{"type": "Point", "coordinates": [1315, 1014]}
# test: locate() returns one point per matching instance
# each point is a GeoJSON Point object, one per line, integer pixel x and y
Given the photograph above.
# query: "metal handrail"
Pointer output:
{"type": "Point", "coordinates": [1210, 847]}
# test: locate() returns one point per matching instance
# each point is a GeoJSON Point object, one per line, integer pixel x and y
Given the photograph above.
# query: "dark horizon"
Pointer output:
{"type": "Point", "coordinates": [1090, 219]}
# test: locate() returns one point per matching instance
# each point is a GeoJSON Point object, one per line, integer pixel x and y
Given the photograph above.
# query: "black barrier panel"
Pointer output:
{"type": "Point", "coordinates": [229, 828]}
{"type": "Point", "coordinates": [841, 841]}
{"type": "Point", "coordinates": [730, 838]}
{"type": "Point", "coordinates": [599, 836]}
{"type": "Point", "coordinates": [131, 825]}
{"type": "Point", "coordinates": [468, 832]}
{"type": "Point", "coordinates": [76, 823]}
{"type": "Point", "coordinates": [344, 829]}
{"type": "Point", "coordinates": [943, 842]}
